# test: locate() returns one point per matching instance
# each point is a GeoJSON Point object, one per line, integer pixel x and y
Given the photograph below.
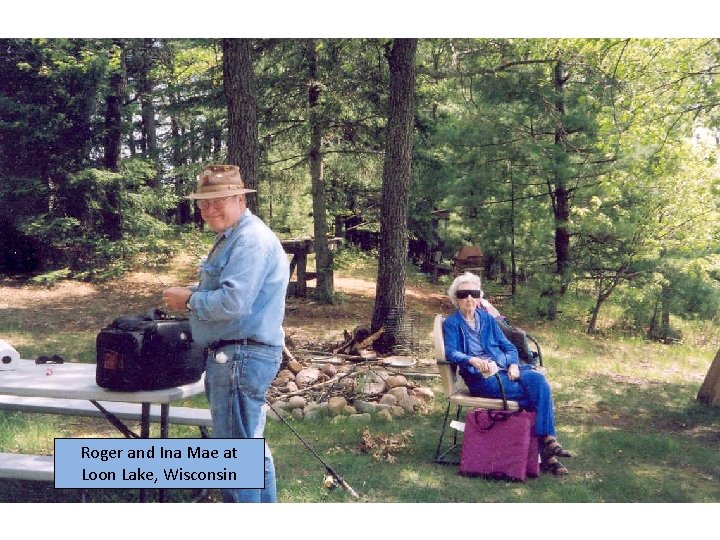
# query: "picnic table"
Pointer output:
{"type": "Point", "coordinates": [70, 389]}
{"type": "Point", "coordinates": [300, 248]}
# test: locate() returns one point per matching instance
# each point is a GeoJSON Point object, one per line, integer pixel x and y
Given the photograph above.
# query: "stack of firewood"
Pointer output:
{"type": "Point", "coordinates": [357, 343]}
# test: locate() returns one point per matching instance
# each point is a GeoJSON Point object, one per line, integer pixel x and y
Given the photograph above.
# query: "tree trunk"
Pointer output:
{"type": "Point", "coordinates": [513, 263]}
{"type": "Point", "coordinates": [561, 198]}
{"type": "Point", "coordinates": [651, 331]}
{"type": "Point", "coordinates": [184, 209]}
{"type": "Point", "coordinates": [147, 109]}
{"type": "Point", "coordinates": [602, 295]}
{"type": "Point", "coordinates": [239, 84]}
{"type": "Point", "coordinates": [113, 112]}
{"type": "Point", "coordinates": [665, 301]}
{"type": "Point", "coordinates": [112, 218]}
{"type": "Point", "coordinates": [390, 292]}
{"type": "Point", "coordinates": [132, 146]}
{"type": "Point", "coordinates": [710, 389]}
{"type": "Point", "coordinates": [324, 289]}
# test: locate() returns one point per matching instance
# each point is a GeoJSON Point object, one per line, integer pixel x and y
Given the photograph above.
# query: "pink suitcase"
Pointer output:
{"type": "Point", "coordinates": [499, 444]}
{"type": "Point", "coordinates": [533, 462]}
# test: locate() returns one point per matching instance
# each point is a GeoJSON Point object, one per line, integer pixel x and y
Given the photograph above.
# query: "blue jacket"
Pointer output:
{"type": "Point", "coordinates": [494, 341]}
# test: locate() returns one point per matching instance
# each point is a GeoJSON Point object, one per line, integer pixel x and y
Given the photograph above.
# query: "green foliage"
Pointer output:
{"type": "Point", "coordinates": [49, 90]}
{"type": "Point", "coordinates": [638, 192]}
{"type": "Point", "coordinates": [499, 129]}
{"type": "Point", "coordinates": [352, 80]}
{"type": "Point", "coordinates": [111, 220]}
{"type": "Point", "coordinates": [639, 306]}
{"type": "Point", "coordinates": [697, 293]}
{"type": "Point", "coordinates": [351, 260]}
{"type": "Point", "coordinates": [51, 278]}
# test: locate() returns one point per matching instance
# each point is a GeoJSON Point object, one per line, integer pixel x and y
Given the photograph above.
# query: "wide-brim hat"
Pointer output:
{"type": "Point", "coordinates": [219, 181]}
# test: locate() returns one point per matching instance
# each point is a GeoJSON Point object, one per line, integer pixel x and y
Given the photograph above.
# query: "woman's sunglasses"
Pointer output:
{"type": "Point", "coordinates": [475, 293]}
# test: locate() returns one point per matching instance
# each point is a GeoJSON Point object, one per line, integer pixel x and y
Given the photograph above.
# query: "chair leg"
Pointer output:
{"type": "Point", "coordinates": [442, 432]}
{"type": "Point", "coordinates": [440, 456]}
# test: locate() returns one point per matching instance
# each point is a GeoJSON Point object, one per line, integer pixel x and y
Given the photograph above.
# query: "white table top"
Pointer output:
{"type": "Point", "coordinates": [77, 381]}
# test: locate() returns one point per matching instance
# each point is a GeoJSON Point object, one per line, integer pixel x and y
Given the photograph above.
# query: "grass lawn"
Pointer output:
{"type": "Point", "coordinates": [626, 407]}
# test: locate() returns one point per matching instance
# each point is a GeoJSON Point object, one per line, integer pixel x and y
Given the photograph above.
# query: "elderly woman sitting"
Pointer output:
{"type": "Point", "coordinates": [475, 342]}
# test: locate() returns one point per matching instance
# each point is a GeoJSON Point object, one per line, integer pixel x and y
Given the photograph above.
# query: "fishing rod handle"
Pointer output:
{"type": "Point", "coordinates": [350, 490]}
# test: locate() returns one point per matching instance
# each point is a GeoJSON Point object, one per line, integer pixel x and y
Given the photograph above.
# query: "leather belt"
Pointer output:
{"type": "Point", "coordinates": [215, 345]}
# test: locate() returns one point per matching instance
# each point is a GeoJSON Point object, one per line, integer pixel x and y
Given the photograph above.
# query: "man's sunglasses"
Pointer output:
{"type": "Point", "coordinates": [475, 293]}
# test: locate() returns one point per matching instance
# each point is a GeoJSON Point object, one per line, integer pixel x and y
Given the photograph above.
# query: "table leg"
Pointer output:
{"type": "Point", "coordinates": [144, 434]}
{"type": "Point", "coordinates": [164, 414]}
{"type": "Point", "coordinates": [301, 290]}
{"type": "Point", "coordinates": [145, 421]}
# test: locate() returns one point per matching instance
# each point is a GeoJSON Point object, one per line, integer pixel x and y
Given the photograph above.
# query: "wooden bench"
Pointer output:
{"type": "Point", "coordinates": [42, 468]}
{"type": "Point", "coordinates": [187, 416]}
{"type": "Point", "coordinates": [27, 467]}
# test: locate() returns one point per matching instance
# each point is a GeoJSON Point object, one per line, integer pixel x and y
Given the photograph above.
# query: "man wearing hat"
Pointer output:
{"type": "Point", "coordinates": [236, 311]}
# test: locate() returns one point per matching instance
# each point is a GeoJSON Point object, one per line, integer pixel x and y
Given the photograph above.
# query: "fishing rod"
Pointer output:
{"type": "Point", "coordinates": [329, 469]}
{"type": "Point", "coordinates": [158, 278]}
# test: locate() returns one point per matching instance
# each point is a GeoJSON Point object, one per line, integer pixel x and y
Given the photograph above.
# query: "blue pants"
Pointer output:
{"type": "Point", "coordinates": [531, 391]}
{"type": "Point", "coordinates": [236, 390]}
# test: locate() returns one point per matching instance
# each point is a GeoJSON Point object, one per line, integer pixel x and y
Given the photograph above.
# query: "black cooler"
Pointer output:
{"type": "Point", "coordinates": [147, 352]}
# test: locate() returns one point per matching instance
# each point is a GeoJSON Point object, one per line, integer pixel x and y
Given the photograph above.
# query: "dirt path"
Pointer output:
{"type": "Point", "coordinates": [74, 306]}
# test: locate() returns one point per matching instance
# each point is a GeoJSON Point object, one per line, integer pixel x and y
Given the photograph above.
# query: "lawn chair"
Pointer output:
{"type": "Point", "coordinates": [457, 394]}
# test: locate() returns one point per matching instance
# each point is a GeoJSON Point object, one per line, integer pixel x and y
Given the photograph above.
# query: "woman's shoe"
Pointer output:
{"type": "Point", "coordinates": [552, 465]}
{"type": "Point", "coordinates": [552, 447]}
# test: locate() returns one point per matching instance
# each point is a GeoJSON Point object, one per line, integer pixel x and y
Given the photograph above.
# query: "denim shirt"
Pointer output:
{"type": "Point", "coordinates": [496, 345]}
{"type": "Point", "coordinates": [241, 293]}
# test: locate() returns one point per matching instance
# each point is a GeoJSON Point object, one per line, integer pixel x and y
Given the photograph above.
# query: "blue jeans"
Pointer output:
{"type": "Point", "coordinates": [236, 392]}
{"type": "Point", "coordinates": [531, 391]}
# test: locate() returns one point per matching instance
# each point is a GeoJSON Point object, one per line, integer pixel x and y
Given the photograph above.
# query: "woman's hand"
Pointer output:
{"type": "Point", "coordinates": [514, 372]}
{"type": "Point", "coordinates": [483, 365]}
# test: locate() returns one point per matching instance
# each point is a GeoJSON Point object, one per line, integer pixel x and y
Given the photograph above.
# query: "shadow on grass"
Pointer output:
{"type": "Point", "coordinates": [624, 461]}
{"type": "Point", "coordinates": [649, 443]}
{"type": "Point", "coordinates": [645, 406]}
{"type": "Point", "coordinates": [644, 441]}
